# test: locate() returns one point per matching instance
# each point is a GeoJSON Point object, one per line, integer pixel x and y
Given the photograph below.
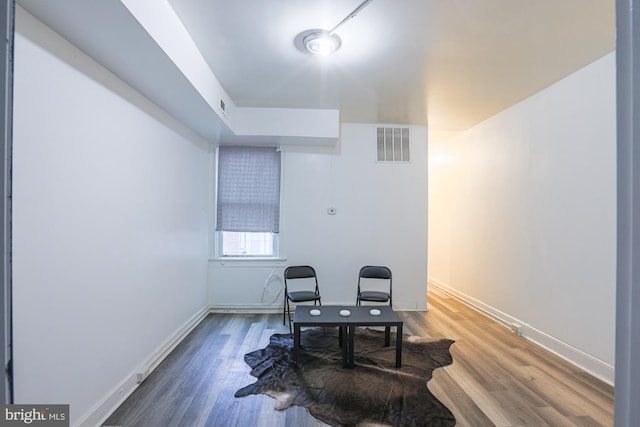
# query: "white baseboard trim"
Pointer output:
{"type": "Point", "coordinates": [119, 393]}
{"type": "Point", "coordinates": [274, 309]}
{"type": "Point", "coordinates": [246, 309]}
{"type": "Point", "coordinates": [582, 360]}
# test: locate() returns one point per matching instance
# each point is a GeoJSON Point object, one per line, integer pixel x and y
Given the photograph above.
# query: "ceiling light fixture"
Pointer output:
{"type": "Point", "coordinates": [323, 42]}
{"type": "Point", "coordinates": [318, 42]}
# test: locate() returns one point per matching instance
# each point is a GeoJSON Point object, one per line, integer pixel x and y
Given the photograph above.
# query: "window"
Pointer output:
{"type": "Point", "coordinates": [248, 201]}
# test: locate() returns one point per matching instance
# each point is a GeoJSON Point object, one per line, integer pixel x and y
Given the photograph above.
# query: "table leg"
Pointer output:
{"type": "Point", "coordinates": [399, 346]}
{"type": "Point", "coordinates": [351, 332]}
{"type": "Point", "coordinates": [296, 342]}
{"type": "Point", "coordinates": [387, 335]}
{"type": "Point", "coordinates": [344, 346]}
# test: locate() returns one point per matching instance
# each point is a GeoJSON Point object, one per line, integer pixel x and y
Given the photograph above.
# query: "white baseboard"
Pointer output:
{"type": "Point", "coordinates": [582, 360]}
{"type": "Point", "coordinates": [246, 308]}
{"type": "Point", "coordinates": [118, 394]}
{"type": "Point", "coordinates": [274, 309]}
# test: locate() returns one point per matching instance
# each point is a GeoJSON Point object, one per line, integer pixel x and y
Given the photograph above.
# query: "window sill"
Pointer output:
{"type": "Point", "coordinates": [248, 261]}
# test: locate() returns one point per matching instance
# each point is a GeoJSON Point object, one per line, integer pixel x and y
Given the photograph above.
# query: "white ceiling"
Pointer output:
{"type": "Point", "coordinates": [448, 64]}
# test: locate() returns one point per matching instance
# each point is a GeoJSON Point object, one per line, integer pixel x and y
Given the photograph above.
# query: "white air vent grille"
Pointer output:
{"type": "Point", "coordinates": [393, 145]}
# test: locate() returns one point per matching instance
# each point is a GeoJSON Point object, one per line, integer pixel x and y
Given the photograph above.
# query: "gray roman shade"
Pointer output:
{"type": "Point", "coordinates": [248, 196]}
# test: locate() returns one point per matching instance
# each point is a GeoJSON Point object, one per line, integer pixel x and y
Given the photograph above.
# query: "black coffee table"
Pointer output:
{"type": "Point", "coordinates": [329, 316]}
{"type": "Point", "coordinates": [360, 316]}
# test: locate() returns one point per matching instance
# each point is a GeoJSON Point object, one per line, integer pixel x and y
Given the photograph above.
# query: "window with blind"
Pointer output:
{"type": "Point", "coordinates": [248, 201]}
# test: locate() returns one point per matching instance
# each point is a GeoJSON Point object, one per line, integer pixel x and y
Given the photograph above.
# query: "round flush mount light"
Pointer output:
{"type": "Point", "coordinates": [323, 42]}
{"type": "Point", "coordinates": [318, 42]}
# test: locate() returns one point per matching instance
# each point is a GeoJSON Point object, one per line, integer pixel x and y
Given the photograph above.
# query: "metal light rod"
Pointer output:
{"type": "Point", "coordinates": [351, 15]}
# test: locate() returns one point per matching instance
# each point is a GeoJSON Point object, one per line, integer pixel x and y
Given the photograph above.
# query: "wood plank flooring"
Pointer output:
{"type": "Point", "coordinates": [496, 379]}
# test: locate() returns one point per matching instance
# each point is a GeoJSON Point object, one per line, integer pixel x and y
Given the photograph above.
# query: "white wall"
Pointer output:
{"type": "Point", "coordinates": [110, 225]}
{"type": "Point", "coordinates": [381, 220]}
{"type": "Point", "coordinates": [523, 216]}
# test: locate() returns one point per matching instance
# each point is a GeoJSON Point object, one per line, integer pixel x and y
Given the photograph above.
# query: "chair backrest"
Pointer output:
{"type": "Point", "coordinates": [375, 272]}
{"type": "Point", "coordinates": [301, 272]}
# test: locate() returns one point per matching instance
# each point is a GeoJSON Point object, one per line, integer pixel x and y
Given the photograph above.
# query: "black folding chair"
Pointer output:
{"type": "Point", "coordinates": [298, 287]}
{"type": "Point", "coordinates": [374, 272]}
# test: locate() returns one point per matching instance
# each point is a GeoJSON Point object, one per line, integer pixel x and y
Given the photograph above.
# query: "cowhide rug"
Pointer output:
{"type": "Point", "coordinates": [373, 393]}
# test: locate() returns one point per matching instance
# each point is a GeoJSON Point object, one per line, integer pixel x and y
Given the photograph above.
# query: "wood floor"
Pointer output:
{"type": "Point", "coordinates": [496, 379]}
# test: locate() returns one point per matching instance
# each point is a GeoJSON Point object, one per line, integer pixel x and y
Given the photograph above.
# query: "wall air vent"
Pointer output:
{"type": "Point", "coordinates": [393, 144]}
